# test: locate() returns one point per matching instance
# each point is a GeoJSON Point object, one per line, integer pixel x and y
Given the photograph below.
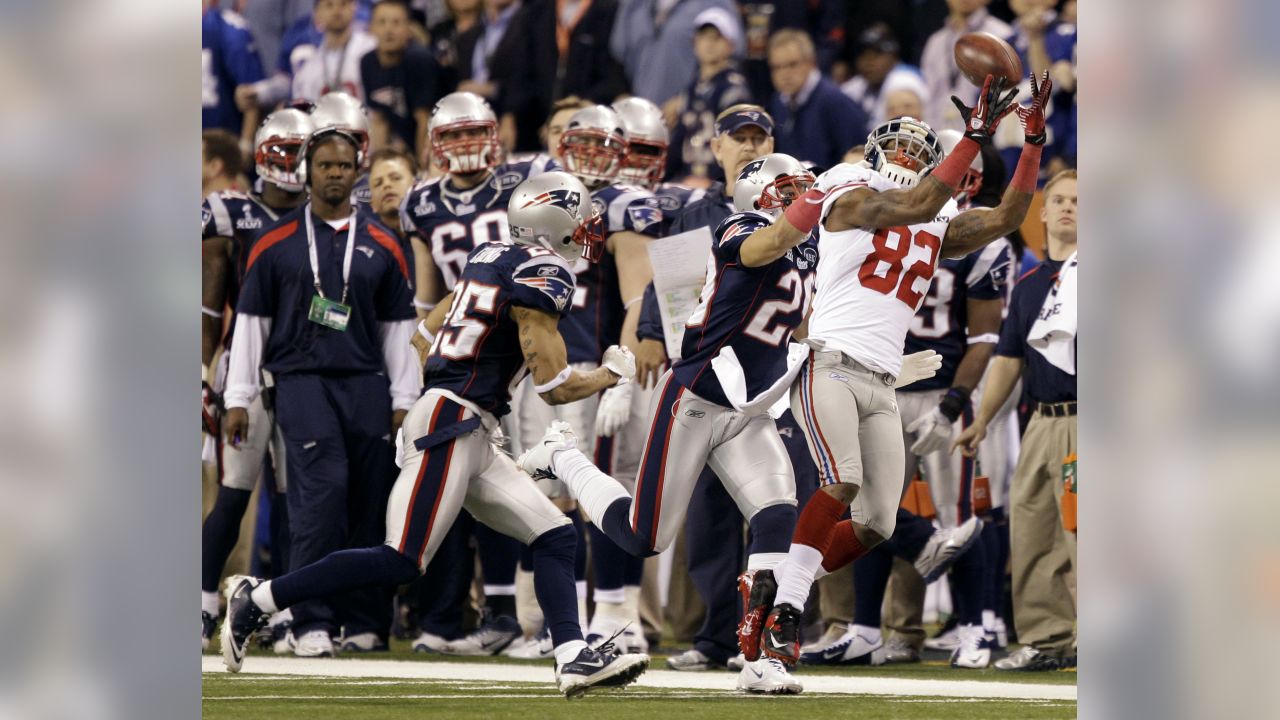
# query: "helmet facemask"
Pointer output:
{"type": "Point", "coordinates": [644, 164]}
{"type": "Point", "coordinates": [777, 195]}
{"type": "Point", "coordinates": [594, 156]}
{"type": "Point", "coordinates": [903, 150]}
{"type": "Point", "coordinates": [279, 162]}
{"type": "Point", "coordinates": [465, 155]}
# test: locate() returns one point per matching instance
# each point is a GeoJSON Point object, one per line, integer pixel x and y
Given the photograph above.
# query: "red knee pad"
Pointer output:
{"type": "Point", "coordinates": [817, 520]}
{"type": "Point", "coordinates": [844, 548]}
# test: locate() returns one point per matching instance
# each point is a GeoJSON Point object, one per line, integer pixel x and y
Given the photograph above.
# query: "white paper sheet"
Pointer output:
{"type": "Point", "coordinates": [679, 270]}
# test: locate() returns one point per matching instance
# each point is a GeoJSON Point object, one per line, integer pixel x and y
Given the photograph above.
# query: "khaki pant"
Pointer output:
{"type": "Point", "coordinates": [1042, 553]}
{"type": "Point", "coordinates": [904, 604]}
{"type": "Point", "coordinates": [835, 597]}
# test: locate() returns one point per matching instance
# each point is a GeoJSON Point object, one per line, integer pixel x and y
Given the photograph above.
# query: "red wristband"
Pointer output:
{"type": "Point", "coordinates": [952, 169]}
{"type": "Point", "coordinates": [1028, 171]}
{"type": "Point", "coordinates": [805, 211]}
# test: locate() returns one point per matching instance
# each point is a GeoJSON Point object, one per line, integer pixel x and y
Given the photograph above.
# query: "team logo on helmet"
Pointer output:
{"type": "Point", "coordinates": [567, 197]}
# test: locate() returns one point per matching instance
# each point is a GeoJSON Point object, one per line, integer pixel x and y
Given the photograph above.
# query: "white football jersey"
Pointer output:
{"type": "Point", "coordinates": [871, 281]}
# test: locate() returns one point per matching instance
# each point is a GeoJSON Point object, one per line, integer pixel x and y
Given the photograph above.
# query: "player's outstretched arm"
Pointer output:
{"type": "Point", "coordinates": [772, 242]}
{"type": "Point", "coordinates": [548, 361]}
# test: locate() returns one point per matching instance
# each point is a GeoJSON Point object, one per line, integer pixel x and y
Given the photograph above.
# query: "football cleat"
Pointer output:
{"type": "Point", "coordinates": [278, 635]}
{"type": "Point", "coordinates": [780, 636]}
{"type": "Point", "coordinates": [758, 589]}
{"type": "Point", "coordinates": [855, 647]}
{"type": "Point", "coordinates": [536, 461]}
{"type": "Point", "coordinates": [208, 625]}
{"type": "Point", "coordinates": [832, 635]}
{"type": "Point", "coordinates": [491, 638]}
{"type": "Point", "coordinates": [1028, 659]}
{"type": "Point", "coordinates": [599, 667]}
{"type": "Point", "coordinates": [313, 644]}
{"type": "Point", "coordinates": [736, 663]}
{"type": "Point", "coordinates": [536, 648]}
{"type": "Point", "coordinates": [944, 547]}
{"type": "Point", "coordinates": [946, 641]}
{"type": "Point", "coordinates": [768, 676]}
{"type": "Point", "coordinates": [973, 652]}
{"type": "Point", "coordinates": [429, 642]}
{"type": "Point", "coordinates": [363, 643]}
{"type": "Point", "coordinates": [243, 619]}
{"type": "Point", "coordinates": [895, 651]}
{"type": "Point", "coordinates": [692, 660]}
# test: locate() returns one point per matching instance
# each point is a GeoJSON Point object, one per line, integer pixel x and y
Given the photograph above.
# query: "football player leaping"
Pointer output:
{"type": "Point", "coordinates": [500, 320]}
{"type": "Point", "coordinates": [882, 231]}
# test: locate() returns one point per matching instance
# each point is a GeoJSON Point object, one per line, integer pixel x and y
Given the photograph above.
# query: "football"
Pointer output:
{"type": "Point", "coordinates": [980, 54]}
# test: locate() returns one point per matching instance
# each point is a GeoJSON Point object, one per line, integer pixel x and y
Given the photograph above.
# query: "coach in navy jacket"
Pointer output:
{"type": "Point", "coordinates": [815, 121]}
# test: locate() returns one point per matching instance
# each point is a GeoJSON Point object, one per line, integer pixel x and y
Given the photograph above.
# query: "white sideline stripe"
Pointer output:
{"type": "Point", "coordinates": [542, 673]}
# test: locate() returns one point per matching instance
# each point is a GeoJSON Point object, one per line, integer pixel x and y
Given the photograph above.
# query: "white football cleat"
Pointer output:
{"type": "Point", "coordinates": [768, 676]}
{"type": "Point", "coordinates": [362, 643]}
{"type": "Point", "coordinates": [427, 642]}
{"type": "Point", "coordinates": [314, 643]}
{"type": "Point", "coordinates": [853, 648]}
{"type": "Point", "coordinates": [536, 461]}
{"type": "Point", "coordinates": [973, 651]}
{"type": "Point", "coordinates": [944, 547]}
{"type": "Point", "coordinates": [946, 642]}
{"type": "Point", "coordinates": [535, 648]}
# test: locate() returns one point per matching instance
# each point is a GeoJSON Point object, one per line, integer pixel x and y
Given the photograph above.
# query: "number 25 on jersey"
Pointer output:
{"type": "Point", "coordinates": [882, 271]}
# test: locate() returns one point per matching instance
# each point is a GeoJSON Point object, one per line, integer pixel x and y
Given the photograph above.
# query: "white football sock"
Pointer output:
{"type": "Point", "coordinates": [581, 587]}
{"type": "Point", "coordinates": [764, 561]}
{"type": "Point", "coordinates": [262, 597]}
{"type": "Point", "coordinates": [613, 596]}
{"type": "Point", "coordinates": [528, 612]}
{"type": "Point", "coordinates": [209, 603]}
{"type": "Point", "coordinates": [989, 620]}
{"type": "Point", "coordinates": [567, 652]}
{"type": "Point", "coordinates": [795, 575]}
{"type": "Point", "coordinates": [594, 490]}
{"type": "Point", "coordinates": [866, 631]}
{"type": "Point", "coordinates": [631, 606]}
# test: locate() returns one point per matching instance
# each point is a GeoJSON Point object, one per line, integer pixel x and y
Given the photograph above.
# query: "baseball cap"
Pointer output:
{"type": "Point", "coordinates": [724, 22]}
{"type": "Point", "coordinates": [743, 116]}
{"type": "Point", "coordinates": [878, 37]}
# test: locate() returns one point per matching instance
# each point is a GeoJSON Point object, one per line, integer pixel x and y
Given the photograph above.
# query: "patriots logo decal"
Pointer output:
{"type": "Point", "coordinates": [642, 216]}
{"type": "Point", "coordinates": [751, 167]}
{"type": "Point", "coordinates": [567, 197]}
{"type": "Point", "coordinates": [553, 287]}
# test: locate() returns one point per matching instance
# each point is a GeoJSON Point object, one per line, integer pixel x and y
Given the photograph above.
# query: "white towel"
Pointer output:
{"type": "Point", "coordinates": [1054, 333]}
{"type": "Point", "coordinates": [774, 400]}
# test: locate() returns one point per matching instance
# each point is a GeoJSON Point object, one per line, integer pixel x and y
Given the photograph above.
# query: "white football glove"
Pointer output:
{"type": "Point", "coordinates": [932, 433]}
{"type": "Point", "coordinates": [619, 361]}
{"type": "Point", "coordinates": [918, 366]}
{"type": "Point", "coordinates": [614, 409]}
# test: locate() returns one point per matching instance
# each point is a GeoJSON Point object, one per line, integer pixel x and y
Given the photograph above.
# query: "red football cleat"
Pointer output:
{"type": "Point", "coordinates": [780, 637]}
{"type": "Point", "coordinates": [758, 589]}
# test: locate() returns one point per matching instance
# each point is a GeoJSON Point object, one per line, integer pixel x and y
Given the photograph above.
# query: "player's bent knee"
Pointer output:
{"type": "Point", "coordinates": [560, 540]}
{"type": "Point", "coordinates": [398, 568]}
{"type": "Point", "coordinates": [616, 525]}
{"type": "Point", "coordinates": [842, 491]}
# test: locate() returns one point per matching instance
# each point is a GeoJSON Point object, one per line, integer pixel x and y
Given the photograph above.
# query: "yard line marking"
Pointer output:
{"type": "Point", "coordinates": [542, 673]}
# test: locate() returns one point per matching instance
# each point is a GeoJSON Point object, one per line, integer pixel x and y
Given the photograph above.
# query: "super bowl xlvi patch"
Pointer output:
{"type": "Point", "coordinates": [642, 216]}
{"type": "Point", "coordinates": [424, 206]}
{"type": "Point", "coordinates": [552, 286]}
{"type": "Point", "coordinates": [805, 258]}
{"type": "Point", "coordinates": [248, 222]}
{"type": "Point", "coordinates": [666, 203]}
{"type": "Point", "coordinates": [508, 180]}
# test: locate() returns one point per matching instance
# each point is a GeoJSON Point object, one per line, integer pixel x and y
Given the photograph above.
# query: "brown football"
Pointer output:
{"type": "Point", "coordinates": [980, 54]}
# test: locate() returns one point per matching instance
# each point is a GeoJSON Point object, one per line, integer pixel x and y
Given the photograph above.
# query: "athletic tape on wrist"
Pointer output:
{"type": "Point", "coordinates": [205, 310]}
{"type": "Point", "coordinates": [428, 306]}
{"type": "Point", "coordinates": [561, 378]}
{"type": "Point", "coordinates": [984, 338]}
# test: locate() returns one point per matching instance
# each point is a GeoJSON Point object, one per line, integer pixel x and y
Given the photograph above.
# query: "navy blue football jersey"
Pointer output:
{"type": "Point", "coordinates": [595, 319]}
{"type": "Point", "coordinates": [690, 150]}
{"type": "Point", "coordinates": [941, 323]}
{"type": "Point", "coordinates": [454, 222]}
{"type": "Point", "coordinates": [241, 217]}
{"type": "Point", "coordinates": [752, 310]}
{"type": "Point", "coordinates": [476, 355]}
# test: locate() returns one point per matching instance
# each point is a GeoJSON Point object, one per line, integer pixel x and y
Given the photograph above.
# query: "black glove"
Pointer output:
{"type": "Point", "coordinates": [982, 119]}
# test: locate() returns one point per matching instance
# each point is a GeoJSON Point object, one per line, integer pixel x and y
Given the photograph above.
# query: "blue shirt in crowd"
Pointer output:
{"type": "Point", "coordinates": [1043, 382]}
{"type": "Point", "coordinates": [227, 58]}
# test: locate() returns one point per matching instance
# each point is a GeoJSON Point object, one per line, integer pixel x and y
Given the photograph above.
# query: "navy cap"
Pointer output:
{"type": "Point", "coordinates": [742, 118]}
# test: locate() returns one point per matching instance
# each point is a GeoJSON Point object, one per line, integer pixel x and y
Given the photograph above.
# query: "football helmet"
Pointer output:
{"type": "Point", "coordinates": [903, 149]}
{"type": "Point", "coordinates": [593, 145]}
{"type": "Point", "coordinates": [553, 210]}
{"type": "Point", "coordinates": [472, 152]}
{"type": "Point", "coordinates": [769, 183]}
{"type": "Point", "coordinates": [646, 160]}
{"type": "Point", "coordinates": [344, 112]}
{"type": "Point", "coordinates": [276, 149]}
{"type": "Point", "coordinates": [971, 183]}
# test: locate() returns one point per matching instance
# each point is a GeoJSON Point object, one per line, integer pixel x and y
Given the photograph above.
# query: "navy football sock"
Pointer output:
{"type": "Point", "coordinates": [616, 525]}
{"type": "Point", "coordinates": [870, 578]}
{"type": "Point", "coordinates": [609, 562]}
{"type": "Point", "coordinates": [967, 587]}
{"type": "Point", "coordinates": [219, 534]}
{"type": "Point", "coordinates": [771, 529]}
{"type": "Point", "coordinates": [579, 560]}
{"type": "Point", "coordinates": [553, 583]}
{"type": "Point", "coordinates": [499, 555]}
{"type": "Point", "coordinates": [342, 571]}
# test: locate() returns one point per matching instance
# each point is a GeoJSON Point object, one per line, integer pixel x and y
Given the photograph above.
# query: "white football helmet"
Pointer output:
{"type": "Point", "coordinates": [276, 149]}
{"type": "Point", "coordinates": [474, 152]}
{"type": "Point", "coordinates": [971, 183]}
{"type": "Point", "coordinates": [769, 183]}
{"type": "Point", "coordinates": [553, 210]}
{"type": "Point", "coordinates": [903, 149]}
{"type": "Point", "coordinates": [646, 160]}
{"type": "Point", "coordinates": [593, 145]}
{"type": "Point", "coordinates": [344, 112]}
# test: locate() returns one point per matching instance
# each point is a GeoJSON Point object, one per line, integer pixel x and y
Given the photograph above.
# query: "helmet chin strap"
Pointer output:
{"type": "Point", "coordinates": [904, 177]}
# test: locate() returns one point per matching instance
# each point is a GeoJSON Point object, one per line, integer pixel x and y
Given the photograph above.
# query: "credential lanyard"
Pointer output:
{"type": "Point", "coordinates": [314, 256]}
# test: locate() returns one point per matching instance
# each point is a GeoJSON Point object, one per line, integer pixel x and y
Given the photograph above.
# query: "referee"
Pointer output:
{"type": "Point", "coordinates": [1037, 343]}
{"type": "Point", "coordinates": [326, 313]}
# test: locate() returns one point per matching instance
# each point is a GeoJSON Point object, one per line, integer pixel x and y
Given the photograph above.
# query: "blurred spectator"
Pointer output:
{"type": "Point", "coordinates": [1038, 345]}
{"type": "Point", "coordinates": [269, 20]}
{"type": "Point", "coordinates": [901, 98]}
{"type": "Point", "coordinates": [228, 59]}
{"type": "Point", "coordinates": [652, 39]}
{"type": "Point", "coordinates": [447, 38]}
{"type": "Point", "coordinates": [488, 56]}
{"type": "Point", "coordinates": [719, 85]}
{"type": "Point", "coordinates": [880, 74]}
{"type": "Point", "coordinates": [1043, 43]}
{"type": "Point", "coordinates": [910, 22]}
{"type": "Point", "coordinates": [337, 63]}
{"type": "Point", "coordinates": [563, 50]}
{"type": "Point", "coordinates": [400, 79]}
{"type": "Point", "coordinates": [220, 162]}
{"type": "Point", "coordinates": [938, 63]}
{"type": "Point", "coordinates": [391, 175]}
{"type": "Point", "coordinates": [824, 20]}
{"type": "Point", "coordinates": [816, 122]}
